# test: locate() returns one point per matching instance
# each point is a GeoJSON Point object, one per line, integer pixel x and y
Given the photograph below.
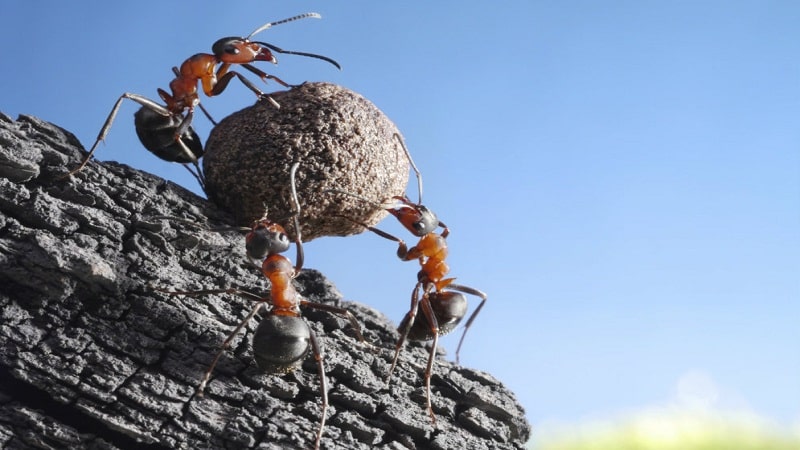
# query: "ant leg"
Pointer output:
{"type": "Point", "coordinates": [204, 226]}
{"type": "Point", "coordinates": [144, 101]}
{"type": "Point", "coordinates": [198, 293]}
{"type": "Point", "coordinates": [339, 311]}
{"type": "Point", "coordinates": [196, 172]}
{"type": "Point", "coordinates": [402, 247]}
{"type": "Point", "coordinates": [477, 293]}
{"type": "Point", "coordinates": [225, 344]}
{"type": "Point", "coordinates": [445, 231]}
{"type": "Point", "coordinates": [323, 385]}
{"type": "Point", "coordinates": [207, 114]}
{"type": "Point", "coordinates": [427, 309]}
{"type": "Point", "coordinates": [265, 76]}
{"type": "Point", "coordinates": [413, 166]}
{"type": "Point", "coordinates": [184, 125]}
{"type": "Point", "coordinates": [223, 81]}
{"type": "Point", "coordinates": [182, 128]}
{"type": "Point", "coordinates": [408, 320]}
{"type": "Point", "coordinates": [298, 240]}
{"type": "Point", "coordinates": [299, 245]}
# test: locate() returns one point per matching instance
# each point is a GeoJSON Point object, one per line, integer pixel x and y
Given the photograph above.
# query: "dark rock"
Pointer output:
{"type": "Point", "coordinates": [91, 356]}
{"type": "Point", "coordinates": [341, 140]}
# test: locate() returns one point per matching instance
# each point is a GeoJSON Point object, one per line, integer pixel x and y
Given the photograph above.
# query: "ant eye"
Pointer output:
{"type": "Point", "coordinates": [231, 50]}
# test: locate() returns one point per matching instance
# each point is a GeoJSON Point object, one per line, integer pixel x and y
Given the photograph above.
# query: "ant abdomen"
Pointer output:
{"type": "Point", "coordinates": [157, 134]}
{"type": "Point", "coordinates": [449, 307]}
{"type": "Point", "coordinates": [280, 343]}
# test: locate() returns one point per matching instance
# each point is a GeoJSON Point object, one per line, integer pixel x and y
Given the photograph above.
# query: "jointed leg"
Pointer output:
{"type": "Point", "coordinates": [144, 101]}
{"type": "Point", "coordinates": [182, 128]}
{"type": "Point", "coordinates": [427, 309]}
{"type": "Point", "coordinates": [196, 172]}
{"type": "Point", "coordinates": [198, 293]}
{"type": "Point", "coordinates": [298, 240]}
{"type": "Point", "coordinates": [339, 311]}
{"type": "Point", "coordinates": [477, 293]}
{"type": "Point", "coordinates": [265, 76]}
{"type": "Point", "coordinates": [225, 345]}
{"type": "Point", "coordinates": [402, 247]}
{"type": "Point", "coordinates": [408, 320]}
{"type": "Point", "coordinates": [223, 81]}
{"type": "Point", "coordinates": [323, 386]}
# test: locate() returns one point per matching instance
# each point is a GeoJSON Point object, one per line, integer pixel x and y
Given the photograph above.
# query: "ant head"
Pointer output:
{"type": "Point", "coordinates": [239, 50]}
{"type": "Point", "coordinates": [266, 238]}
{"type": "Point", "coordinates": [417, 219]}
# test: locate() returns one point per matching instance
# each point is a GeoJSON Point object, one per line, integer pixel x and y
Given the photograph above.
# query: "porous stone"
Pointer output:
{"type": "Point", "coordinates": [341, 140]}
{"type": "Point", "coordinates": [93, 356]}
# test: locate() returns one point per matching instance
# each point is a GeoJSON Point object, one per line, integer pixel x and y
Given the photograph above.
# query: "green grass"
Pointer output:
{"type": "Point", "coordinates": [670, 431]}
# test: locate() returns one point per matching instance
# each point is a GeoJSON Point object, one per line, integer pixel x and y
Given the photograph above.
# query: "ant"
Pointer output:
{"type": "Point", "coordinates": [442, 302]}
{"type": "Point", "coordinates": [282, 338]}
{"type": "Point", "coordinates": [164, 130]}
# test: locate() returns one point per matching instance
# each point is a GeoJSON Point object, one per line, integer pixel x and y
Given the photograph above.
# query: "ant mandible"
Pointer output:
{"type": "Point", "coordinates": [164, 130]}
{"type": "Point", "coordinates": [283, 338]}
{"type": "Point", "coordinates": [442, 301]}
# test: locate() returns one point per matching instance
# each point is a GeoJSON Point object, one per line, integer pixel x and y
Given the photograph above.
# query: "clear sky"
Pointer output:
{"type": "Point", "coordinates": [622, 178]}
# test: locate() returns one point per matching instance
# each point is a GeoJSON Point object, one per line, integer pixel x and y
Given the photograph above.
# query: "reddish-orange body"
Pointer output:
{"type": "Point", "coordinates": [282, 338]}
{"type": "Point", "coordinates": [184, 87]}
{"type": "Point", "coordinates": [202, 67]}
{"type": "Point", "coordinates": [165, 129]}
{"type": "Point", "coordinates": [431, 250]}
{"type": "Point", "coordinates": [284, 297]}
{"type": "Point", "coordinates": [441, 301]}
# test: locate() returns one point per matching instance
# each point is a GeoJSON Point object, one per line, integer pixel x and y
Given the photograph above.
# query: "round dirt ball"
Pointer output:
{"type": "Point", "coordinates": [342, 142]}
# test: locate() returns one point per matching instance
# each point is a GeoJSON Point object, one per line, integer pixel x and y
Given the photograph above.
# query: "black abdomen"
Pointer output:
{"type": "Point", "coordinates": [157, 134]}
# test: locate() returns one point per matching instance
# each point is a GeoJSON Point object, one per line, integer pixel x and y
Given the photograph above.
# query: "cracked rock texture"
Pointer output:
{"type": "Point", "coordinates": [92, 357]}
{"type": "Point", "coordinates": [341, 140]}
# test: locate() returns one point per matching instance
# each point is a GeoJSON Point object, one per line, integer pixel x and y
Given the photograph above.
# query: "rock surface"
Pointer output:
{"type": "Point", "coordinates": [91, 356]}
{"type": "Point", "coordinates": [341, 140]}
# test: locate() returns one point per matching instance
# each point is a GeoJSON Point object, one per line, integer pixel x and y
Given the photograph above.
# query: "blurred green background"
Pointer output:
{"type": "Point", "coordinates": [669, 429]}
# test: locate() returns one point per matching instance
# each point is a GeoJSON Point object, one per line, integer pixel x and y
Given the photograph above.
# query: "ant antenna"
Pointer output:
{"type": "Point", "coordinates": [290, 19]}
{"type": "Point", "coordinates": [289, 52]}
{"type": "Point", "coordinates": [292, 172]}
{"type": "Point", "coordinates": [413, 166]}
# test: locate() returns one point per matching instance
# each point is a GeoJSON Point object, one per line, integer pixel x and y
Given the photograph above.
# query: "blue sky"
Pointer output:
{"type": "Point", "coordinates": [622, 178]}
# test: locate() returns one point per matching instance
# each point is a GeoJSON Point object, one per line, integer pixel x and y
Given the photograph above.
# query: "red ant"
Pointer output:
{"type": "Point", "coordinates": [442, 301]}
{"type": "Point", "coordinates": [283, 338]}
{"type": "Point", "coordinates": [165, 130]}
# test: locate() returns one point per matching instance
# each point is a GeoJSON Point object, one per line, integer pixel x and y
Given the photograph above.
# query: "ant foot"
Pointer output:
{"type": "Point", "coordinates": [265, 97]}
